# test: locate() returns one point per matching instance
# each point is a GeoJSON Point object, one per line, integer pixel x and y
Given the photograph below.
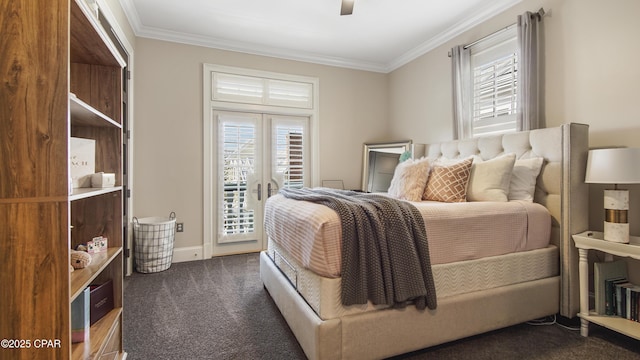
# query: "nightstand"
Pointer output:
{"type": "Point", "coordinates": [594, 240]}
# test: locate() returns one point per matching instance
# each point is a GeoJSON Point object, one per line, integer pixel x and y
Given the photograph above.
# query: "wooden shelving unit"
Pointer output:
{"type": "Point", "coordinates": [63, 77]}
{"type": "Point", "coordinates": [95, 101]}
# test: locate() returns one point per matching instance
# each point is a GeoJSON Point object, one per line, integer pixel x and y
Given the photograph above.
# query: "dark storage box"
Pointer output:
{"type": "Point", "coordinates": [101, 300]}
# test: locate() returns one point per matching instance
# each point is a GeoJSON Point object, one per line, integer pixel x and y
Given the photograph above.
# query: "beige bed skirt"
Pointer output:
{"type": "Point", "coordinates": [389, 332]}
{"type": "Point", "coordinates": [324, 294]}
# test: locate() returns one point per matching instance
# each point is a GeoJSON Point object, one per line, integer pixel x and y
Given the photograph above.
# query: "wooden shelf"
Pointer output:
{"type": "Point", "coordinates": [88, 40]}
{"type": "Point", "coordinates": [624, 326]}
{"type": "Point", "coordinates": [99, 335]}
{"type": "Point", "coordinates": [81, 278]}
{"type": "Point", "coordinates": [83, 193]}
{"type": "Point", "coordinates": [83, 114]}
{"type": "Point", "coordinates": [594, 240]}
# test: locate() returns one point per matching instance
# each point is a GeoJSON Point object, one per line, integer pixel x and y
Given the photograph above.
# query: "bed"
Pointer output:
{"type": "Point", "coordinates": [475, 293]}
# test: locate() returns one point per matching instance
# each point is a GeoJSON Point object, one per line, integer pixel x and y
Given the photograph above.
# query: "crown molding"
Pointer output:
{"type": "Point", "coordinates": [132, 15]}
{"type": "Point", "coordinates": [257, 49]}
{"type": "Point", "coordinates": [457, 29]}
{"type": "Point", "coordinates": [479, 17]}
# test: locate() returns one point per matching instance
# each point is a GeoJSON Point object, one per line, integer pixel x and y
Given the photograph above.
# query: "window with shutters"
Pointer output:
{"type": "Point", "coordinates": [262, 91]}
{"type": "Point", "coordinates": [494, 85]}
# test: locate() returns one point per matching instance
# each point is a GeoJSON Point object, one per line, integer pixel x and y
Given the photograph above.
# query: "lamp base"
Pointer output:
{"type": "Point", "coordinates": [616, 232]}
{"type": "Point", "coordinates": [616, 222]}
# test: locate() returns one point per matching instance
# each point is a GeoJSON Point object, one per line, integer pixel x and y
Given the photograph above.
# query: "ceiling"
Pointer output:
{"type": "Point", "coordinates": [380, 35]}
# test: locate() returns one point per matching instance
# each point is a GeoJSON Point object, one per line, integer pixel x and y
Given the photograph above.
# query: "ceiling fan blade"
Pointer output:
{"type": "Point", "coordinates": [347, 7]}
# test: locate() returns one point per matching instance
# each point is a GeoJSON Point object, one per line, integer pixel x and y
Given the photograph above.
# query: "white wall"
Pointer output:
{"type": "Point", "coordinates": [591, 76]}
{"type": "Point", "coordinates": [591, 73]}
{"type": "Point", "coordinates": [168, 125]}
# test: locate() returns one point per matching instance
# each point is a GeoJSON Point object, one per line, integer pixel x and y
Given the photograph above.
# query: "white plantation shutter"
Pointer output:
{"type": "Point", "coordinates": [239, 159]}
{"type": "Point", "coordinates": [260, 90]}
{"type": "Point", "coordinates": [494, 96]}
{"type": "Point", "coordinates": [494, 68]}
{"type": "Point", "coordinates": [289, 93]}
{"type": "Point", "coordinates": [237, 88]}
{"type": "Point", "coordinates": [244, 158]}
{"type": "Point", "coordinates": [289, 151]}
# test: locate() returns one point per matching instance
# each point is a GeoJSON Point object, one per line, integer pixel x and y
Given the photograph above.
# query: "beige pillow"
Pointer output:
{"type": "Point", "coordinates": [490, 179]}
{"type": "Point", "coordinates": [409, 179]}
{"type": "Point", "coordinates": [524, 177]}
{"type": "Point", "coordinates": [448, 183]}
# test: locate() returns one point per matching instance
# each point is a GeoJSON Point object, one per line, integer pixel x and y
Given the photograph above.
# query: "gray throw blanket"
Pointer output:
{"type": "Point", "coordinates": [385, 255]}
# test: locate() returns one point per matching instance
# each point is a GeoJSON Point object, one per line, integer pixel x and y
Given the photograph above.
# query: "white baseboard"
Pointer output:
{"type": "Point", "coordinates": [188, 254]}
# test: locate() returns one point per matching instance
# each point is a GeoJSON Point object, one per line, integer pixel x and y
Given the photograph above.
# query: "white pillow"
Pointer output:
{"type": "Point", "coordinates": [523, 179]}
{"type": "Point", "coordinates": [409, 179]}
{"type": "Point", "coordinates": [490, 180]}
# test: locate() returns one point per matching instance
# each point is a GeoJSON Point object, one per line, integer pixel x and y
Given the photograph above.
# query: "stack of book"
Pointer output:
{"type": "Point", "coordinates": [614, 294]}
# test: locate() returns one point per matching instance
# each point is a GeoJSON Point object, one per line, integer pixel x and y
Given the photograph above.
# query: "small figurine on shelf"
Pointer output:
{"type": "Point", "coordinates": [80, 259]}
{"type": "Point", "coordinates": [96, 245]}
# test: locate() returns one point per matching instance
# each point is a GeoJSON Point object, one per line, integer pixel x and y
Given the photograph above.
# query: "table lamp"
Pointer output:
{"type": "Point", "coordinates": [614, 166]}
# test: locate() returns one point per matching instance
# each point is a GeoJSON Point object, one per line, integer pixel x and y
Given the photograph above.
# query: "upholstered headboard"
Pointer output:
{"type": "Point", "coordinates": [560, 186]}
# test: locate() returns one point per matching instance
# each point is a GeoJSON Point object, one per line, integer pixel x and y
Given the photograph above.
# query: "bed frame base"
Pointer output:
{"type": "Point", "coordinates": [385, 333]}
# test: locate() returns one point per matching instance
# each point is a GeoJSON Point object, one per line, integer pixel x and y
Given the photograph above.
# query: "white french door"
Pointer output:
{"type": "Point", "coordinates": [257, 154]}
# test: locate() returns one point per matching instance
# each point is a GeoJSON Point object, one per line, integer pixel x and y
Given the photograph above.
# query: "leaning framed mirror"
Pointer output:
{"type": "Point", "coordinates": [379, 162]}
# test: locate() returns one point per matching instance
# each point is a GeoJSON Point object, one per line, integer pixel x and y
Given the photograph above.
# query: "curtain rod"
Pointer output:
{"type": "Point", "coordinates": [540, 14]}
{"type": "Point", "coordinates": [508, 27]}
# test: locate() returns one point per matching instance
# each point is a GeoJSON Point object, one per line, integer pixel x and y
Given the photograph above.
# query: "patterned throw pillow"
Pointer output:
{"type": "Point", "coordinates": [449, 183]}
{"type": "Point", "coordinates": [409, 179]}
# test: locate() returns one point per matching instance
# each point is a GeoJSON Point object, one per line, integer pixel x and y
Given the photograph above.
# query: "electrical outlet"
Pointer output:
{"type": "Point", "coordinates": [180, 227]}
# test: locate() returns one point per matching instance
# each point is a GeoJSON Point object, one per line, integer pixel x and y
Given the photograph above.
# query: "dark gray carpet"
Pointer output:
{"type": "Point", "coordinates": [218, 309]}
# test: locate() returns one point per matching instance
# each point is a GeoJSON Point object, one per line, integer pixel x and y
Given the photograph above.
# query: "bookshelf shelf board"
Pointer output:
{"type": "Point", "coordinates": [81, 278]}
{"type": "Point", "coordinates": [99, 335]}
{"type": "Point", "coordinates": [83, 193]}
{"type": "Point", "coordinates": [83, 114]}
{"type": "Point", "coordinates": [624, 326]}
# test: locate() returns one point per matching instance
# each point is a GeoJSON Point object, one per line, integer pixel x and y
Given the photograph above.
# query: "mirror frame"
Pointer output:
{"type": "Point", "coordinates": [390, 147]}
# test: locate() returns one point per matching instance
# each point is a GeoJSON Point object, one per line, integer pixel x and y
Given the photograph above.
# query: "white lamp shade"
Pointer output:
{"type": "Point", "coordinates": [613, 166]}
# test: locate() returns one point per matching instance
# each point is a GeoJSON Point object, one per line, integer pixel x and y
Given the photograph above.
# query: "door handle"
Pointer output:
{"type": "Point", "coordinates": [259, 192]}
{"type": "Point", "coordinates": [272, 189]}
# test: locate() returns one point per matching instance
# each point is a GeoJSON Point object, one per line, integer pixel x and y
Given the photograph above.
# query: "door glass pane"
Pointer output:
{"type": "Point", "coordinates": [238, 176]}
{"type": "Point", "coordinates": [289, 153]}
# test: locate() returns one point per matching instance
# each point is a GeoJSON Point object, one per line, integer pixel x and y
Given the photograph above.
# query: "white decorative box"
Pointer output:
{"type": "Point", "coordinates": [103, 180]}
{"type": "Point", "coordinates": [97, 244]}
{"type": "Point", "coordinates": [82, 160]}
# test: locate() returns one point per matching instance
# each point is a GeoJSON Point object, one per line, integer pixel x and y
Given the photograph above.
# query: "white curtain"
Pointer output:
{"type": "Point", "coordinates": [461, 70]}
{"type": "Point", "coordinates": [529, 116]}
